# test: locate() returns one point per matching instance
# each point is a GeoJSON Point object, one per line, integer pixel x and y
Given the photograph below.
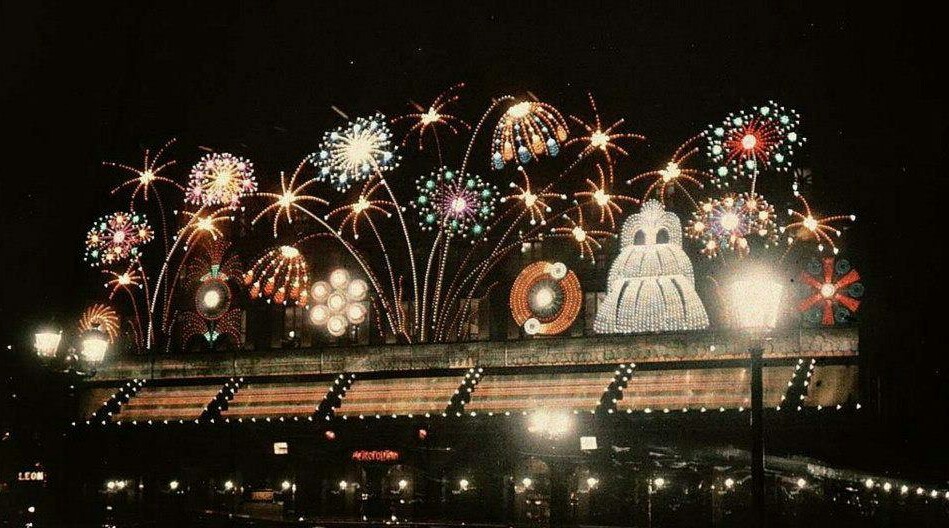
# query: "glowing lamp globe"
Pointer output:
{"type": "Point", "coordinates": [93, 346]}
{"type": "Point", "coordinates": [357, 290]}
{"type": "Point", "coordinates": [212, 299]}
{"type": "Point", "coordinates": [338, 278]}
{"type": "Point", "coordinates": [754, 302]}
{"type": "Point", "coordinates": [355, 313]}
{"type": "Point", "coordinates": [336, 325]}
{"type": "Point", "coordinates": [319, 314]}
{"type": "Point", "coordinates": [46, 343]}
{"type": "Point", "coordinates": [320, 291]}
{"type": "Point", "coordinates": [336, 302]}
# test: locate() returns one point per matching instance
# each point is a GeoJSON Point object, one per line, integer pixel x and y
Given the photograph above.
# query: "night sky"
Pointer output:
{"type": "Point", "coordinates": [84, 82]}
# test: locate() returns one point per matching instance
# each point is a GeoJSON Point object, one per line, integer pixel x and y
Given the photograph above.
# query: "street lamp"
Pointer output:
{"type": "Point", "coordinates": [46, 342]}
{"type": "Point", "coordinates": [93, 346]}
{"type": "Point", "coordinates": [755, 300]}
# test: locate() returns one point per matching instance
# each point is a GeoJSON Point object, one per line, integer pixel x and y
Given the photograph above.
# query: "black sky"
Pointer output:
{"type": "Point", "coordinates": [83, 82]}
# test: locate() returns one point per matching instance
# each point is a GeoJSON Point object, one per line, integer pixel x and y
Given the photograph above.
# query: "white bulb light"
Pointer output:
{"type": "Point", "coordinates": [211, 299]}
{"type": "Point", "coordinates": [336, 325]}
{"type": "Point", "coordinates": [357, 289]}
{"type": "Point", "coordinates": [339, 302]}
{"type": "Point", "coordinates": [338, 278]}
{"type": "Point", "coordinates": [320, 291]}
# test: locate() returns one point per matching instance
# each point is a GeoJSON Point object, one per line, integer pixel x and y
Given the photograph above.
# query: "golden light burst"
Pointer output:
{"type": "Point", "coordinates": [202, 223]}
{"type": "Point", "coordinates": [147, 175]}
{"type": "Point", "coordinates": [598, 138]}
{"type": "Point", "coordinates": [100, 317]}
{"type": "Point", "coordinates": [674, 176]}
{"type": "Point", "coordinates": [534, 203]}
{"type": "Point", "coordinates": [130, 278]}
{"type": "Point", "coordinates": [600, 196]}
{"type": "Point", "coordinates": [433, 118]}
{"type": "Point", "coordinates": [810, 227]}
{"type": "Point", "coordinates": [289, 198]}
{"type": "Point", "coordinates": [587, 240]}
{"type": "Point", "coordinates": [364, 204]}
{"type": "Point", "coordinates": [279, 275]}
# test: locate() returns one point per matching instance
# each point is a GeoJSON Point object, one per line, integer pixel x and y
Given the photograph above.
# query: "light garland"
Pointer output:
{"type": "Point", "coordinates": [434, 118]}
{"type": "Point", "coordinates": [527, 130]}
{"type": "Point", "coordinates": [651, 287]}
{"type": "Point", "coordinates": [462, 395]}
{"type": "Point", "coordinates": [545, 298]}
{"type": "Point", "coordinates": [280, 275]}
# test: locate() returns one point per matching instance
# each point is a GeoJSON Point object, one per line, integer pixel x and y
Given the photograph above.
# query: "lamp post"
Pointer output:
{"type": "Point", "coordinates": [755, 300]}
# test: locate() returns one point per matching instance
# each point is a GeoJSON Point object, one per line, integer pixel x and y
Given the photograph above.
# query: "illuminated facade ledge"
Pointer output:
{"type": "Point", "coordinates": [701, 346]}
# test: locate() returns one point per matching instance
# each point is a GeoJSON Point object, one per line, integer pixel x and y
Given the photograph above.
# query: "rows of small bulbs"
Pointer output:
{"type": "Point", "coordinates": [120, 397]}
{"type": "Point", "coordinates": [462, 395]}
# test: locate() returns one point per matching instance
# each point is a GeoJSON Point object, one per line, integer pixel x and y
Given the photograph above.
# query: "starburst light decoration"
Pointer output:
{"type": "Point", "coordinates": [526, 131]}
{"type": "Point", "coordinates": [220, 179]}
{"type": "Point", "coordinates": [288, 200]}
{"type": "Point", "coordinates": [117, 237]}
{"type": "Point", "coordinates": [145, 178]}
{"type": "Point", "coordinates": [808, 227]}
{"type": "Point", "coordinates": [364, 205]}
{"type": "Point", "coordinates": [434, 118]}
{"type": "Point", "coordinates": [356, 151]}
{"type": "Point", "coordinates": [747, 142]}
{"type": "Point", "coordinates": [455, 203]}
{"type": "Point", "coordinates": [600, 197]}
{"type": "Point", "coordinates": [575, 230]}
{"type": "Point", "coordinates": [600, 139]}
{"type": "Point", "coordinates": [339, 301]}
{"type": "Point", "coordinates": [280, 276]}
{"type": "Point", "coordinates": [535, 203]}
{"type": "Point", "coordinates": [100, 317]}
{"type": "Point", "coordinates": [835, 290]}
{"type": "Point", "coordinates": [675, 176]}
{"type": "Point", "coordinates": [545, 298]}
{"type": "Point", "coordinates": [727, 223]}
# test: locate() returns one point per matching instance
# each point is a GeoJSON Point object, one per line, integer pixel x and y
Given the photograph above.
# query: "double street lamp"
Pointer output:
{"type": "Point", "coordinates": [755, 301]}
{"type": "Point", "coordinates": [93, 346]}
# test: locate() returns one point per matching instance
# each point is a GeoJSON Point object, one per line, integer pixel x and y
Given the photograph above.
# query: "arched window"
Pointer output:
{"type": "Point", "coordinates": [662, 236]}
{"type": "Point", "coordinates": [639, 239]}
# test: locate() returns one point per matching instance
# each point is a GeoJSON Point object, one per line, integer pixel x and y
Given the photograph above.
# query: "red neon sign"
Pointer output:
{"type": "Point", "coordinates": [375, 455]}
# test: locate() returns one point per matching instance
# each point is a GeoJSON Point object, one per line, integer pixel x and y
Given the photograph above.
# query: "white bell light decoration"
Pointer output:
{"type": "Point", "coordinates": [651, 286]}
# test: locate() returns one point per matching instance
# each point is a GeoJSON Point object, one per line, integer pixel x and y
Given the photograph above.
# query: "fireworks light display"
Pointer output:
{"type": "Point", "coordinates": [527, 130]}
{"type": "Point", "coordinates": [545, 298]}
{"type": "Point", "coordinates": [433, 118]}
{"type": "Point", "coordinates": [535, 204]}
{"type": "Point", "coordinates": [100, 317]}
{"type": "Point", "coordinates": [805, 226]}
{"type": "Point", "coordinates": [835, 290]}
{"type": "Point", "coordinates": [599, 138]}
{"type": "Point", "coordinates": [748, 142]}
{"type": "Point", "coordinates": [220, 179]}
{"type": "Point", "coordinates": [280, 275]}
{"type": "Point", "coordinates": [116, 237]}
{"type": "Point", "coordinates": [457, 203]}
{"type": "Point", "coordinates": [727, 223]}
{"type": "Point", "coordinates": [425, 285]}
{"type": "Point", "coordinates": [354, 152]}
{"type": "Point", "coordinates": [674, 177]}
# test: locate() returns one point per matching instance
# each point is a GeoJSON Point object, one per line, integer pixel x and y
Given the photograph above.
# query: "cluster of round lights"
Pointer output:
{"type": "Point", "coordinates": [116, 237]}
{"type": "Point", "coordinates": [457, 203]}
{"type": "Point", "coordinates": [339, 302]}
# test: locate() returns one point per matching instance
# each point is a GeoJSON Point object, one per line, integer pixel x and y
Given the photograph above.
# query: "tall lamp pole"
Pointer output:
{"type": "Point", "coordinates": [755, 301]}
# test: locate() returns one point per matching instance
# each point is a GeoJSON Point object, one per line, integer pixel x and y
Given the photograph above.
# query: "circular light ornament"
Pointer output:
{"type": "Point", "coordinates": [336, 325]}
{"type": "Point", "coordinates": [545, 298]}
{"type": "Point", "coordinates": [339, 302]}
{"type": "Point", "coordinates": [213, 298]}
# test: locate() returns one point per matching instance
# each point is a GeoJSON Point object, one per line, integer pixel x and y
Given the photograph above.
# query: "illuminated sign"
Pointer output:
{"type": "Point", "coordinates": [31, 476]}
{"type": "Point", "coordinates": [280, 448]}
{"type": "Point", "coordinates": [379, 455]}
